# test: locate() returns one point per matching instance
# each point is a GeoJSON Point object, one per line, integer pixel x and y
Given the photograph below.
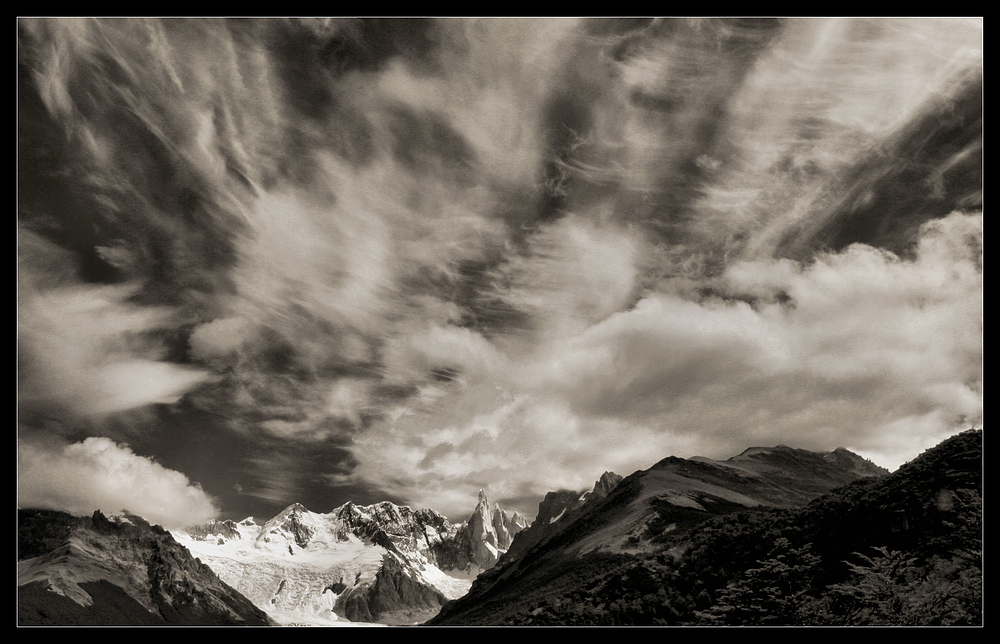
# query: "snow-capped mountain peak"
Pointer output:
{"type": "Point", "coordinates": [296, 528]}
{"type": "Point", "coordinates": [306, 567]}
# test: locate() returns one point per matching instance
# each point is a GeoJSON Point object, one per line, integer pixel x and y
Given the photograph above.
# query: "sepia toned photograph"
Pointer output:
{"type": "Point", "coordinates": [530, 322]}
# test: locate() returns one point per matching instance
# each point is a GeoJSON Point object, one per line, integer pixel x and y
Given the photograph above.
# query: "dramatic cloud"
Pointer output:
{"type": "Point", "coordinates": [407, 259]}
{"type": "Point", "coordinates": [859, 349]}
{"type": "Point", "coordinates": [97, 473]}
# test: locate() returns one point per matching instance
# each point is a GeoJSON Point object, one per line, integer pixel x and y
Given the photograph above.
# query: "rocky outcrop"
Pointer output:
{"type": "Point", "coordinates": [215, 530]}
{"type": "Point", "coordinates": [557, 509]}
{"type": "Point", "coordinates": [395, 596]}
{"type": "Point", "coordinates": [848, 460]}
{"type": "Point", "coordinates": [491, 531]}
{"type": "Point", "coordinates": [604, 485]}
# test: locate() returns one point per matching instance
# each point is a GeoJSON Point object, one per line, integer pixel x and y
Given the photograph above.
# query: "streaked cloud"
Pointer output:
{"type": "Point", "coordinates": [503, 253]}
{"type": "Point", "coordinates": [94, 353]}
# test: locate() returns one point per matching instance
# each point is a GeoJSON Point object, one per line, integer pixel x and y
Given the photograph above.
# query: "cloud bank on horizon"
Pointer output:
{"type": "Point", "coordinates": [269, 261]}
{"type": "Point", "coordinates": [98, 474]}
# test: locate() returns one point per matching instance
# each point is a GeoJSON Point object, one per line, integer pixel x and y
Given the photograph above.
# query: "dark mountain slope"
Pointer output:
{"type": "Point", "coordinates": [559, 509]}
{"type": "Point", "coordinates": [639, 520]}
{"type": "Point", "coordinates": [121, 571]}
{"type": "Point", "coordinates": [38, 606]}
{"type": "Point", "coordinates": [904, 549]}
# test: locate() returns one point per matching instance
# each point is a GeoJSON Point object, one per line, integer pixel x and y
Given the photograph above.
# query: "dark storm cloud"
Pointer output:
{"type": "Point", "coordinates": [405, 258]}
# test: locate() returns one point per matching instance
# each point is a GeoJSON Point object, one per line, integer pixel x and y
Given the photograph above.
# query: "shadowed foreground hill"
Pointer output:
{"type": "Point", "coordinates": [96, 571]}
{"type": "Point", "coordinates": [903, 549]}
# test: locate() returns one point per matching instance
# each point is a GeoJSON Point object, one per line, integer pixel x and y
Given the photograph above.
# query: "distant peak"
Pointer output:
{"type": "Point", "coordinates": [606, 483]}
{"type": "Point", "coordinates": [855, 461]}
{"type": "Point", "coordinates": [750, 451]}
{"type": "Point", "coordinates": [482, 496]}
{"type": "Point", "coordinates": [293, 510]}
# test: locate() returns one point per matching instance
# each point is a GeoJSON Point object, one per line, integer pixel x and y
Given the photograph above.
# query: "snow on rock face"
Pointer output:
{"type": "Point", "coordinates": [556, 503]}
{"type": "Point", "coordinates": [295, 525]}
{"type": "Point", "coordinates": [397, 595]}
{"type": "Point", "coordinates": [423, 537]}
{"type": "Point", "coordinates": [380, 562]}
{"type": "Point", "coordinates": [294, 567]}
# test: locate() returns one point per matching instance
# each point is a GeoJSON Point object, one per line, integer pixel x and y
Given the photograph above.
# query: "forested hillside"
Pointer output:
{"type": "Point", "coordinates": [900, 550]}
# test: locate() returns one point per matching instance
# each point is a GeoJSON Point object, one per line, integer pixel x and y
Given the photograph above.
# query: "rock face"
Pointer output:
{"type": "Point", "coordinates": [396, 596]}
{"type": "Point", "coordinates": [117, 571]}
{"type": "Point", "coordinates": [220, 531]}
{"type": "Point", "coordinates": [491, 531]}
{"type": "Point", "coordinates": [558, 508]}
{"type": "Point", "coordinates": [449, 545]}
{"type": "Point", "coordinates": [605, 484]}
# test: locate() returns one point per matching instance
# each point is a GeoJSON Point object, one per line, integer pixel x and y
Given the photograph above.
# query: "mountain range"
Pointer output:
{"type": "Point", "coordinates": [667, 545]}
{"type": "Point", "coordinates": [378, 563]}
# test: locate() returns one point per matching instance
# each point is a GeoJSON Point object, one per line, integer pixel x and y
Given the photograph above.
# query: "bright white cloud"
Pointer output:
{"type": "Point", "coordinates": [870, 352]}
{"type": "Point", "coordinates": [100, 474]}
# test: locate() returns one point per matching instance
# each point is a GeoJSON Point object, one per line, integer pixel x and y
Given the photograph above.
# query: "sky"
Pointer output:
{"type": "Point", "coordinates": [267, 261]}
